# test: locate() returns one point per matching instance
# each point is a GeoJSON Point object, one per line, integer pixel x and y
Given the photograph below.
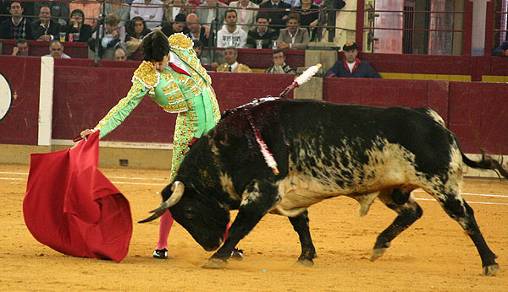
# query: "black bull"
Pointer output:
{"type": "Point", "coordinates": [322, 150]}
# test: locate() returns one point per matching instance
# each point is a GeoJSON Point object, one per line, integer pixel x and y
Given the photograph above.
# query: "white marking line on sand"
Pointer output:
{"type": "Point", "coordinates": [416, 198]}
{"type": "Point", "coordinates": [134, 183]}
{"type": "Point", "coordinates": [112, 177]}
{"type": "Point", "coordinates": [115, 182]}
{"type": "Point", "coordinates": [469, 202]}
{"type": "Point", "coordinates": [472, 194]}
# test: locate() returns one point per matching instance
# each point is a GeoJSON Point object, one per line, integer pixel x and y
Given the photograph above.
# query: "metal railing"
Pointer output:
{"type": "Point", "coordinates": [416, 31]}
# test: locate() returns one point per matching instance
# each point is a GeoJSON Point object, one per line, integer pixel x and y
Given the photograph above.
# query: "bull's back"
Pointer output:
{"type": "Point", "coordinates": [342, 138]}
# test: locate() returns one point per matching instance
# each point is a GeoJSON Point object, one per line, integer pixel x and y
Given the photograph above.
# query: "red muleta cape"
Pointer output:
{"type": "Point", "coordinates": [73, 208]}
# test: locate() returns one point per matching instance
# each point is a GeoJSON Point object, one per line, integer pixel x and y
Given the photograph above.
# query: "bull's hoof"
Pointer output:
{"type": "Point", "coordinates": [306, 262]}
{"type": "Point", "coordinates": [237, 254]}
{"type": "Point", "coordinates": [377, 253]}
{"type": "Point", "coordinates": [215, 263]}
{"type": "Point", "coordinates": [491, 270]}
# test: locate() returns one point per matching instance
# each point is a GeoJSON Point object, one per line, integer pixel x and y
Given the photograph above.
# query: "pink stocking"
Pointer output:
{"type": "Point", "coordinates": [226, 233]}
{"type": "Point", "coordinates": [165, 224]}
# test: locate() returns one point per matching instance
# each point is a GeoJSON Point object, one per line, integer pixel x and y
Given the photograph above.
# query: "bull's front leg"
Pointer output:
{"type": "Point", "coordinates": [301, 226]}
{"type": "Point", "coordinates": [257, 199]}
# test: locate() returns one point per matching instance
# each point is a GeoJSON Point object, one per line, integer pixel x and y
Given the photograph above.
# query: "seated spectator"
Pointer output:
{"type": "Point", "coordinates": [21, 48]}
{"type": "Point", "coordinates": [293, 3]}
{"type": "Point", "coordinates": [231, 35]}
{"type": "Point", "coordinates": [198, 48]}
{"type": "Point", "coordinates": [247, 13]}
{"type": "Point", "coordinates": [231, 65]}
{"type": "Point", "coordinates": [293, 37]}
{"type": "Point", "coordinates": [502, 50]}
{"type": "Point", "coordinates": [279, 64]}
{"type": "Point", "coordinates": [196, 32]}
{"type": "Point", "coordinates": [120, 54]}
{"type": "Point", "coordinates": [351, 66]}
{"type": "Point", "coordinates": [59, 10]}
{"type": "Point", "coordinates": [16, 26]}
{"type": "Point", "coordinates": [136, 29]}
{"type": "Point", "coordinates": [277, 13]}
{"type": "Point", "coordinates": [150, 10]}
{"type": "Point", "coordinates": [119, 9]}
{"type": "Point", "coordinates": [45, 29]}
{"type": "Point", "coordinates": [90, 8]}
{"type": "Point", "coordinates": [78, 27]}
{"type": "Point", "coordinates": [309, 17]}
{"type": "Point", "coordinates": [134, 49]}
{"type": "Point", "coordinates": [176, 26]}
{"type": "Point", "coordinates": [206, 12]}
{"type": "Point", "coordinates": [261, 33]}
{"type": "Point", "coordinates": [173, 7]}
{"type": "Point", "coordinates": [56, 50]}
{"type": "Point", "coordinates": [113, 36]}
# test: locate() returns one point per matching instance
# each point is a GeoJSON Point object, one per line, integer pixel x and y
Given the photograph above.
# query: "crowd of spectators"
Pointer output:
{"type": "Point", "coordinates": [237, 23]}
{"type": "Point", "coordinates": [276, 24]}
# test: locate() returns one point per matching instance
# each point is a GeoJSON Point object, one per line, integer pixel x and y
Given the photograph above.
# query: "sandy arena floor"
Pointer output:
{"type": "Point", "coordinates": [434, 254]}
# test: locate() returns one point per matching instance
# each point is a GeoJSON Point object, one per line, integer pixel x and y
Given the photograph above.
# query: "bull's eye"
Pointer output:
{"type": "Point", "coordinates": [188, 213]}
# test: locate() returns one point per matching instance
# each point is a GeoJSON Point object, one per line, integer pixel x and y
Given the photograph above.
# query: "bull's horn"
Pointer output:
{"type": "Point", "coordinates": [178, 189]}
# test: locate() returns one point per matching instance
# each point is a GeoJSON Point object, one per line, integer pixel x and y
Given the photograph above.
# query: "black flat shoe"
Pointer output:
{"type": "Point", "coordinates": [160, 253]}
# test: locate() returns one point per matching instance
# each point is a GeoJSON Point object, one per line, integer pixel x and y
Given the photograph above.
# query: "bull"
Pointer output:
{"type": "Point", "coordinates": [321, 150]}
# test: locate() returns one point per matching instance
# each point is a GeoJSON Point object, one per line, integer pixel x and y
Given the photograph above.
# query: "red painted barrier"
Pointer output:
{"type": "Point", "coordinates": [421, 64]}
{"type": "Point", "coordinates": [478, 115]}
{"type": "Point", "coordinates": [236, 89]}
{"type": "Point", "coordinates": [20, 124]}
{"type": "Point", "coordinates": [83, 95]}
{"type": "Point", "coordinates": [475, 112]}
{"type": "Point", "coordinates": [379, 92]}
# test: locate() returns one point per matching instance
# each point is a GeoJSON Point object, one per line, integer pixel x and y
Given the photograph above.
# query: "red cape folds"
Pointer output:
{"type": "Point", "coordinates": [73, 208]}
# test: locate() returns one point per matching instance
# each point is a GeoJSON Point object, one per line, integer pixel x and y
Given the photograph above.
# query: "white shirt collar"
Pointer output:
{"type": "Point", "coordinates": [173, 58]}
{"type": "Point", "coordinates": [233, 66]}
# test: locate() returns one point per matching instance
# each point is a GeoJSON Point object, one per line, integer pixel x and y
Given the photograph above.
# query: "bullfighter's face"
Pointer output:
{"type": "Point", "coordinates": [201, 216]}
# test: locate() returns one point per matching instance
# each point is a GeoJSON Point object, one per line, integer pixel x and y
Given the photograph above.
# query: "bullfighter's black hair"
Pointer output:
{"type": "Point", "coordinates": [155, 46]}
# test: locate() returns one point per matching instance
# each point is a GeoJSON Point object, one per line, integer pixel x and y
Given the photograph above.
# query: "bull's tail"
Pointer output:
{"type": "Point", "coordinates": [487, 162]}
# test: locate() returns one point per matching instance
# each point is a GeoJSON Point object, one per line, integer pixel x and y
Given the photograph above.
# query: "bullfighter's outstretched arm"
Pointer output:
{"type": "Point", "coordinates": [145, 79]}
{"type": "Point", "coordinates": [122, 109]}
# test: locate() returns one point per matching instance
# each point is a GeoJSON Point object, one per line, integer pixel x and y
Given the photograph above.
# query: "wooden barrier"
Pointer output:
{"type": "Point", "coordinates": [20, 124]}
{"type": "Point", "coordinates": [83, 94]}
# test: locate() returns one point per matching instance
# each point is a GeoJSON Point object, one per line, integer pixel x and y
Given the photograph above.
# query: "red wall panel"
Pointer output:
{"type": "Point", "coordinates": [478, 116]}
{"type": "Point", "coordinates": [236, 89]}
{"type": "Point", "coordinates": [20, 125]}
{"type": "Point", "coordinates": [379, 92]}
{"type": "Point", "coordinates": [83, 95]}
{"type": "Point", "coordinates": [421, 64]}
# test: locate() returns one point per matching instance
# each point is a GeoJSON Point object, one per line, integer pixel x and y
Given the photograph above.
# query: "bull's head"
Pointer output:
{"type": "Point", "coordinates": [201, 216]}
